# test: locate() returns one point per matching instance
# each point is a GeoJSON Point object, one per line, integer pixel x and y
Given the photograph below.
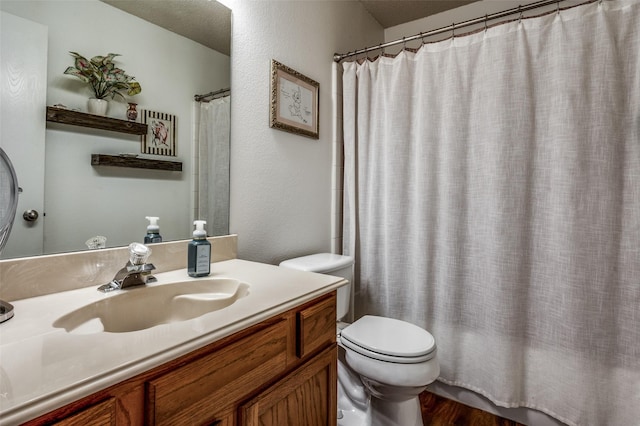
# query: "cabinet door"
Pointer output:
{"type": "Point", "coordinates": [307, 396]}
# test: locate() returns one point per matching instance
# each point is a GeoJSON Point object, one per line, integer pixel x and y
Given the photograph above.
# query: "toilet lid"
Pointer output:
{"type": "Point", "coordinates": [389, 339]}
{"type": "Point", "coordinates": [321, 262]}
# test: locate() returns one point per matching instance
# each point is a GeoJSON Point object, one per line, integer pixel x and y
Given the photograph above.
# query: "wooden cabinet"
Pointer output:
{"type": "Point", "coordinates": [282, 371]}
{"type": "Point", "coordinates": [101, 414]}
{"type": "Point", "coordinates": [313, 322]}
{"type": "Point", "coordinates": [197, 391]}
{"type": "Point", "coordinates": [304, 397]}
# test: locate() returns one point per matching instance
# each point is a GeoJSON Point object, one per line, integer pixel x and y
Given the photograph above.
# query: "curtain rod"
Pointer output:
{"type": "Point", "coordinates": [516, 10]}
{"type": "Point", "coordinates": [212, 95]}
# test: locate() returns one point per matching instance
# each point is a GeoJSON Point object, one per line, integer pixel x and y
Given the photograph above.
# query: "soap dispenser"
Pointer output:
{"type": "Point", "coordinates": [153, 231]}
{"type": "Point", "coordinates": [199, 252]}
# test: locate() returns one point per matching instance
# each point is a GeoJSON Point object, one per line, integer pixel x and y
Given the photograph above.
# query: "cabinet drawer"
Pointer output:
{"type": "Point", "coordinates": [316, 326]}
{"type": "Point", "coordinates": [198, 392]}
{"type": "Point", "coordinates": [102, 414]}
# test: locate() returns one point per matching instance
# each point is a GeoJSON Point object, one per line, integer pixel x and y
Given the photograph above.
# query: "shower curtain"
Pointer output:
{"type": "Point", "coordinates": [212, 159]}
{"type": "Point", "coordinates": [492, 196]}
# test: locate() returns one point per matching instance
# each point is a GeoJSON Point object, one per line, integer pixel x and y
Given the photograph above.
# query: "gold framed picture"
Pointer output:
{"type": "Point", "coordinates": [294, 101]}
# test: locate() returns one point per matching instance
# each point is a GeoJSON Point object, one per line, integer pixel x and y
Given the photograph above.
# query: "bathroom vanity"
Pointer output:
{"type": "Point", "coordinates": [285, 365]}
{"type": "Point", "coordinates": [268, 358]}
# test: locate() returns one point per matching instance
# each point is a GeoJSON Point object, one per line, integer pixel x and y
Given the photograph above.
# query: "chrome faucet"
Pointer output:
{"type": "Point", "coordinates": [136, 272]}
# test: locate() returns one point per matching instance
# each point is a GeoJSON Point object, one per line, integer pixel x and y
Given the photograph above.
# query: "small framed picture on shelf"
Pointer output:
{"type": "Point", "coordinates": [161, 134]}
{"type": "Point", "coordinates": [294, 101]}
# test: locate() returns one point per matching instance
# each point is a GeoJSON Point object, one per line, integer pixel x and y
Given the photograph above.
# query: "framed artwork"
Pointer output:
{"type": "Point", "coordinates": [161, 134]}
{"type": "Point", "coordinates": [294, 101]}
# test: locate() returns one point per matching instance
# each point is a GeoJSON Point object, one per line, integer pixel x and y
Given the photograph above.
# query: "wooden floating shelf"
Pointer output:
{"type": "Point", "coordinates": [76, 118]}
{"type": "Point", "coordinates": [135, 162]}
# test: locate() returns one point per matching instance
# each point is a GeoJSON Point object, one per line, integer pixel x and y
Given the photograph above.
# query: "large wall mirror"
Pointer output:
{"type": "Point", "coordinates": [176, 49]}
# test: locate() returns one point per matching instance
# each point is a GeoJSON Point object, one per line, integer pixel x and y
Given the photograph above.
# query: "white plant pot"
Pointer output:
{"type": "Point", "coordinates": [97, 106]}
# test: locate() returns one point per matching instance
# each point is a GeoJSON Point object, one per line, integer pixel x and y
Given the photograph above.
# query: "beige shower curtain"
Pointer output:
{"type": "Point", "coordinates": [492, 196]}
{"type": "Point", "coordinates": [212, 131]}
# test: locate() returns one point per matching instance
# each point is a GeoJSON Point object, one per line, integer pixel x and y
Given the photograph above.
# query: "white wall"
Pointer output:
{"type": "Point", "coordinates": [281, 186]}
{"type": "Point", "coordinates": [170, 69]}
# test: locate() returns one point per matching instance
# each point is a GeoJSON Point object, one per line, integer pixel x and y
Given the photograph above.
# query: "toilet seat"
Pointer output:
{"type": "Point", "coordinates": [388, 339]}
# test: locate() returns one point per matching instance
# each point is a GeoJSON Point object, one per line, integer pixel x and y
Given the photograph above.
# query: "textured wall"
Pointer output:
{"type": "Point", "coordinates": [281, 187]}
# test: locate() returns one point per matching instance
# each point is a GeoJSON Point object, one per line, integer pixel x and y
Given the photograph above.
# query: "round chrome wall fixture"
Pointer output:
{"type": "Point", "coordinates": [8, 203]}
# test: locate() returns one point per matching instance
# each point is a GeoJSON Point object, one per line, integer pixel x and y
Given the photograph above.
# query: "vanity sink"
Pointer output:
{"type": "Point", "coordinates": [148, 306]}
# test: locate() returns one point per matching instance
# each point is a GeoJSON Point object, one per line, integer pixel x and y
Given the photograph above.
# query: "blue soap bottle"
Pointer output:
{"type": "Point", "coordinates": [199, 252]}
{"type": "Point", "coordinates": [153, 231]}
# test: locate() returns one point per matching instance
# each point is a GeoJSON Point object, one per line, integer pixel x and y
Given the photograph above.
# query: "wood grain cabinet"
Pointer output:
{"type": "Point", "coordinates": [282, 371]}
{"type": "Point", "coordinates": [301, 398]}
{"type": "Point", "coordinates": [101, 414]}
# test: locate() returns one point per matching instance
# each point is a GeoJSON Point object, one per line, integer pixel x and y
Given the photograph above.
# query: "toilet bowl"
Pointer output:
{"type": "Point", "coordinates": [383, 363]}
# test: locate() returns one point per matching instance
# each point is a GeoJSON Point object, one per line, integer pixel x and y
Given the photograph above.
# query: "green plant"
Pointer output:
{"type": "Point", "coordinates": [102, 75]}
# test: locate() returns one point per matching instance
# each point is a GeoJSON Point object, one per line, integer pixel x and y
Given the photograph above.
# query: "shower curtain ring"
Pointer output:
{"type": "Point", "coordinates": [558, 7]}
{"type": "Point", "coordinates": [453, 30]}
{"type": "Point", "coordinates": [520, 17]}
{"type": "Point", "coordinates": [486, 18]}
{"type": "Point", "coordinates": [404, 44]}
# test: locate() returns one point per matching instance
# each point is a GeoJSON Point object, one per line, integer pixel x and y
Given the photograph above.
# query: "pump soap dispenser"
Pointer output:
{"type": "Point", "coordinates": [153, 231]}
{"type": "Point", "coordinates": [199, 252]}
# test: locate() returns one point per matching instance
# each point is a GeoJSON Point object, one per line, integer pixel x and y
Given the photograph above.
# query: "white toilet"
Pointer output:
{"type": "Point", "coordinates": [383, 363]}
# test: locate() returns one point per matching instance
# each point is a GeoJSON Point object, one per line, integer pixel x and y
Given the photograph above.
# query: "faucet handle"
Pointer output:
{"type": "Point", "coordinates": [145, 267]}
{"type": "Point", "coordinates": [138, 254]}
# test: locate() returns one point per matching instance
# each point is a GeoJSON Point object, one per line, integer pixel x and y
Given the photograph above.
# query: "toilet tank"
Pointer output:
{"type": "Point", "coordinates": [329, 264]}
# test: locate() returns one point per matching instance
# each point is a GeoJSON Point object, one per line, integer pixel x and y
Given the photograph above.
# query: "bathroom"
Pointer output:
{"type": "Point", "coordinates": [283, 187]}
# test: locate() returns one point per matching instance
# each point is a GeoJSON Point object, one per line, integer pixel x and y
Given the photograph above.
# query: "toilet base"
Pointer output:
{"type": "Point", "coordinates": [381, 413]}
{"type": "Point", "coordinates": [356, 406]}
{"type": "Point", "coordinates": [351, 417]}
{"type": "Point", "coordinates": [386, 413]}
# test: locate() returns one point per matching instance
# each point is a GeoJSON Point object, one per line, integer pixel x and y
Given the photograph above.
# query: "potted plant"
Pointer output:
{"type": "Point", "coordinates": [104, 78]}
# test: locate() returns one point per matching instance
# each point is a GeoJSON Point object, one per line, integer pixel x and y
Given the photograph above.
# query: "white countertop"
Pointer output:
{"type": "Point", "coordinates": [43, 367]}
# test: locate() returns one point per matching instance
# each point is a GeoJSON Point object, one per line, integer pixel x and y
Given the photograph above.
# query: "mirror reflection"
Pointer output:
{"type": "Point", "coordinates": [76, 201]}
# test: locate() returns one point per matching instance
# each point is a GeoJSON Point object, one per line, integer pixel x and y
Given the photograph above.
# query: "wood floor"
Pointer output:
{"type": "Point", "coordinates": [438, 411]}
